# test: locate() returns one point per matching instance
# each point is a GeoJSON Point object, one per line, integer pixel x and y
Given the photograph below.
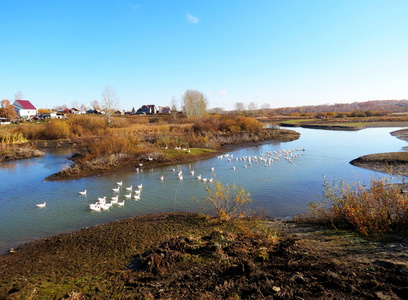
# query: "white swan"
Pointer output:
{"type": "Point", "coordinates": [102, 199]}
{"type": "Point", "coordinates": [82, 193]}
{"type": "Point", "coordinates": [95, 207]}
{"type": "Point", "coordinates": [137, 192]}
{"type": "Point", "coordinates": [116, 198]}
{"type": "Point", "coordinates": [128, 195]}
{"type": "Point", "coordinates": [116, 189]}
{"type": "Point", "coordinates": [119, 182]}
{"type": "Point", "coordinates": [129, 188]}
{"type": "Point", "coordinates": [199, 177]}
{"type": "Point", "coordinates": [105, 206]}
{"type": "Point", "coordinates": [121, 203]}
{"type": "Point", "coordinates": [140, 186]}
{"type": "Point", "coordinates": [162, 178]}
{"type": "Point", "coordinates": [192, 172]}
{"type": "Point", "coordinates": [42, 204]}
{"type": "Point", "coordinates": [137, 197]}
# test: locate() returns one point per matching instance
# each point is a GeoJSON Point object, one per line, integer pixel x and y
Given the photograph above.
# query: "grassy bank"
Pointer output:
{"type": "Point", "coordinates": [346, 124]}
{"type": "Point", "coordinates": [134, 140]}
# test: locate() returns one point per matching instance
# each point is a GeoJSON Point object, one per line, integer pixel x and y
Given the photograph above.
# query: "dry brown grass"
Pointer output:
{"type": "Point", "coordinates": [378, 208]}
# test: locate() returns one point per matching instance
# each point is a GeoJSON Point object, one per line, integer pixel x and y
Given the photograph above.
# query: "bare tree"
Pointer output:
{"type": "Point", "coordinates": [265, 107]}
{"type": "Point", "coordinates": [110, 102]}
{"type": "Point", "coordinates": [83, 107]}
{"type": "Point", "coordinates": [18, 96]}
{"type": "Point", "coordinates": [194, 103]}
{"type": "Point", "coordinates": [75, 104]}
{"type": "Point", "coordinates": [239, 107]}
{"type": "Point", "coordinates": [174, 109]}
{"type": "Point", "coordinates": [252, 107]}
{"type": "Point", "coordinates": [95, 105]}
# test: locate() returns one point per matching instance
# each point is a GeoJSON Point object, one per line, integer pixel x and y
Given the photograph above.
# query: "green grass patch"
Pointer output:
{"type": "Point", "coordinates": [298, 122]}
{"type": "Point", "coordinates": [176, 155]}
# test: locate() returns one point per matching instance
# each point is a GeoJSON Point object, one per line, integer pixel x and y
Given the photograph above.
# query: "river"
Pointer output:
{"type": "Point", "coordinates": [281, 188]}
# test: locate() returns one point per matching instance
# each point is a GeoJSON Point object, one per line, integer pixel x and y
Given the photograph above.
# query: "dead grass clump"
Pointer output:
{"type": "Point", "coordinates": [85, 125]}
{"type": "Point", "coordinates": [31, 131]}
{"type": "Point", "coordinates": [56, 129]}
{"type": "Point", "coordinates": [371, 210]}
{"type": "Point", "coordinates": [112, 148]}
{"type": "Point", "coordinates": [227, 201]}
{"type": "Point", "coordinates": [12, 138]}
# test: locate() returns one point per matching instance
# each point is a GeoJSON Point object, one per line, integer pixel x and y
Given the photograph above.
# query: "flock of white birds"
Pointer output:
{"type": "Point", "coordinates": [248, 161]}
{"type": "Point", "coordinates": [102, 204]}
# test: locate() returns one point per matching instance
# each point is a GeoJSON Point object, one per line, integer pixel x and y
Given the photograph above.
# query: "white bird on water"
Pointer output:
{"type": "Point", "coordinates": [129, 188]}
{"type": "Point", "coordinates": [116, 190]}
{"type": "Point", "coordinates": [42, 204]}
{"type": "Point", "coordinates": [121, 203]}
{"type": "Point", "coordinates": [162, 178]}
{"type": "Point", "coordinates": [137, 197]}
{"type": "Point", "coordinates": [119, 182]}
{"type": "Point", "coordinates": [140, 186]}
{"type": "Point", "coordinates": [82, 193]}
{"type": "Point", "coordinates": [128, 195]}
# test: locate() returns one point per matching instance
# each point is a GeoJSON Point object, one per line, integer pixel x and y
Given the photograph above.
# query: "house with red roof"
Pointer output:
{"type": "Point", "coordinates": [147, 110]}
{"type": "Point", "coordinates": [25, 109]}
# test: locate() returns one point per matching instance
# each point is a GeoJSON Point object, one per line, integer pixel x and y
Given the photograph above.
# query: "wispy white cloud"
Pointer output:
{"type": "Point", "coordinates": [221, 92]}
{"type": "Point", "coordinates": [192, 19]}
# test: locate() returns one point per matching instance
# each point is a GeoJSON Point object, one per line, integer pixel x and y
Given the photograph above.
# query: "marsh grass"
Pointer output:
{"type": "Point", "coordinates": [227, 201]}
{"type": "Point", "coordinates": [374, 209]}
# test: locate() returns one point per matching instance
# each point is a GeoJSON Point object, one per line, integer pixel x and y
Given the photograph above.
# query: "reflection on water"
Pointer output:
{"type": "Point", "coordinates": [281, 188]}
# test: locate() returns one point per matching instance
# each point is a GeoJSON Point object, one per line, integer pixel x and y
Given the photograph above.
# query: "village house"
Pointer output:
{"type": "Point", "coordinates": [77, 111]}
{"type": "Point", "coordinates": [165, 109]}
{"type": "Point", "coordinates": [25, 109]}
{"type": "Point", "coordinates": [147, 110]}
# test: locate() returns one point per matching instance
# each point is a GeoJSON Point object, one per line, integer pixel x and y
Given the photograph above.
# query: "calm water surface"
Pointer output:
{"type": "Point", "coordinates": [282, 189]}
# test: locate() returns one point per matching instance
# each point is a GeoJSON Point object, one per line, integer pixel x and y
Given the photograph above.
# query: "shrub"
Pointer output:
{"type": "Point", "coordinates": [376, 209]}
{"type": "Point", "coordinates": [227, 201]}
{"type": "Point", "coordinates": [56, 129]}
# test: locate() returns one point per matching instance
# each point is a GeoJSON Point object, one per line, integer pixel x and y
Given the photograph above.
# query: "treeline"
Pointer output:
{"type": "Point", "coordinates": [375, 107]}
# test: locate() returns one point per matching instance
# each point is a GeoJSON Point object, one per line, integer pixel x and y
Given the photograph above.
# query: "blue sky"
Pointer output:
{"type": "Point", "coordinates": [284, 53]}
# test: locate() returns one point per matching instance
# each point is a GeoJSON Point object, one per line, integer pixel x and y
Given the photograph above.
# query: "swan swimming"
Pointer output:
{"type": "Point", "coordinates": [82, 193]}
{"type": "Point", "coordinates": [42, 204]}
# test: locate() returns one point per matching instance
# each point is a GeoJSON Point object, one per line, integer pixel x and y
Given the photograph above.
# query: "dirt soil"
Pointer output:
{"type": "Point", "coordinates": [189, 256]}
{"type": "Point", "coordinates": [306, 264]}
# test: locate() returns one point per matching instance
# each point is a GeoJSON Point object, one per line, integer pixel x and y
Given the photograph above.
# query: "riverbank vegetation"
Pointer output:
{"type": "Point", "coordinates": [375, 209]}
{"type": "Point", "coordinates": [132, 141]}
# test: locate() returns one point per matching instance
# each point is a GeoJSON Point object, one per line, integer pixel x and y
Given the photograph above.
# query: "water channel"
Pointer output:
{"type": "Point", "coordinates": [280, 189]}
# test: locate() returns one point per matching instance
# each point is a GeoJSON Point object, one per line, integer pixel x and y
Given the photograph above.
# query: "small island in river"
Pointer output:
{"type": "Point", "coordinates": [395, 163]}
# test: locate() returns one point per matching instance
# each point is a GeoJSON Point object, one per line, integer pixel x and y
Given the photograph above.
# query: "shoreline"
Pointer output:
{"type": "Point", "coordinates": [393, 163]}
{"type": "Point", "coordinates": [268, 135]}
{"type": "Point", "coordinates": [193, 256]}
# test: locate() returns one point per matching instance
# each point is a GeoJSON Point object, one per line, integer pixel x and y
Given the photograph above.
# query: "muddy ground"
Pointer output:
{"type": "Point", "coordinates": [190, 256]}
